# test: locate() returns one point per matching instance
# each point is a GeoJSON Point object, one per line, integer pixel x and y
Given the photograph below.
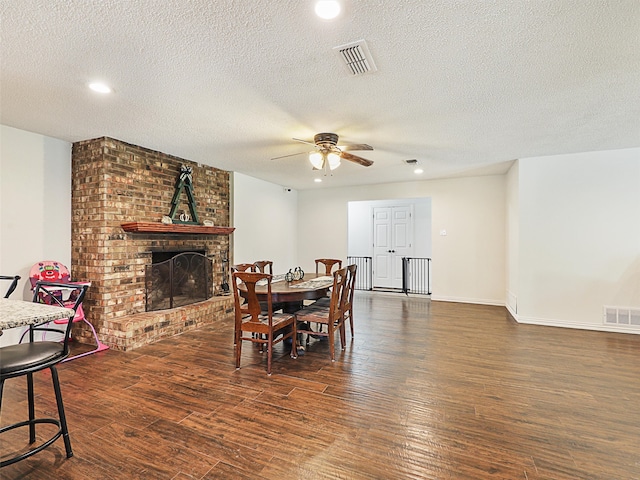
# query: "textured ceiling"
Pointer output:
{"type": "Point", "coordinates": [463, 86]}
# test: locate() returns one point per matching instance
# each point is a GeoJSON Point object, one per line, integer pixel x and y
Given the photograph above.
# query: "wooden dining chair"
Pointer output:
{"type": "Point", "coordinates": [347, 307]}
{"type": "Point", "coordinates": [263, 327]}
{"type": "Point", "coordinates": [328, 264]}
{"type": "Point", "coordinates": [331, 316]}
{"type": "Point", "coordinates": [264, 266]}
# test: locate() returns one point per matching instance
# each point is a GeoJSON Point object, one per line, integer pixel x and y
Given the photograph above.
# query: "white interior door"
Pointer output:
{"type": "Point", "coordinates": [393, 239]}
{"type": "Point", "coordinates": [382, 260]}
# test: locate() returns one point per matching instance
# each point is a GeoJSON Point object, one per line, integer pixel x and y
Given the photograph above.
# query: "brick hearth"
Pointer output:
{"type": "Point", "coordinates": [114, 182]}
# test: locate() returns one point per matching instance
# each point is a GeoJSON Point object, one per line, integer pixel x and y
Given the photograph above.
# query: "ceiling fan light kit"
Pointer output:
{"type": "Point", "coordinates": [316, 159]}
{"type": "Point", "coordinates": [328, 155]}
{"type": "Point", "coordinates": [323, 159]}
{"type": "Point", "coordinates": [334, 160]}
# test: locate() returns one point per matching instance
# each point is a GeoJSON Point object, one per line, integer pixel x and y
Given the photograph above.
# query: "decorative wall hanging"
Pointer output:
{"type": "Point", "coordinates": [184, 182]}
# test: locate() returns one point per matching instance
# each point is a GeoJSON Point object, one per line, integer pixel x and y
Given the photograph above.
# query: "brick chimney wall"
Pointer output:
{"type": "Point", "coordinates": [114, 182]}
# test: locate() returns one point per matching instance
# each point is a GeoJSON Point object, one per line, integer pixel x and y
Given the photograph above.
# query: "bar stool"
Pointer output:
{"type": "Point", "coordinates": [31, 357]}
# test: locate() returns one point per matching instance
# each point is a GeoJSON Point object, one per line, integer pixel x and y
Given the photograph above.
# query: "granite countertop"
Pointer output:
{"type": "Point", "coordinates": [18, 313]}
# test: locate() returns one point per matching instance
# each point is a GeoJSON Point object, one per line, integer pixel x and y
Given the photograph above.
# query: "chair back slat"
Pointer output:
{"type": "Point", "coordinates": [338, 294]}
{"type": "Point", "coordinates": [243, 267]}
{"type": "Point", "coordinates": [347, 307]}
{"type": "Point", "coordinates": [352, 282]}
{"type": "Point", "coordinates": [328, 264]}
{"type": "Point", "coordinates": [264, 266]}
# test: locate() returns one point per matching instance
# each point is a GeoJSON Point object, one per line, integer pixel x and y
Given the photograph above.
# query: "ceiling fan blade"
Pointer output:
{"type": "Point", "coordinates": [304, 141]}
{"type": "Point", "coordinates": [285, 156]}
{"type": "Point", "coordinates": [358, 146]}
{"type": "Point", "coordinates": [356, 159]}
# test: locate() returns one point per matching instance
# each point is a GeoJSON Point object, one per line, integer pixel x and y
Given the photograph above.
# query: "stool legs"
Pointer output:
{"type": "Point", "coordinates": [61, 415]}
{"type": "Point", "coordinates": [60, 422]}
{"type": "Point", "coordinates": [32, 408]}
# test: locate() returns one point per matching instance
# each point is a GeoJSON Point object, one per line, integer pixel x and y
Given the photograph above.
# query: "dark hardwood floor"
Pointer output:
{"type": "Point", "coordinates": [426, 390]}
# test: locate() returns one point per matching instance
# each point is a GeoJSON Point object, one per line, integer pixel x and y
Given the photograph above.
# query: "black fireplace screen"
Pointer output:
{"type": "Point", "coordinates": [183, 279]}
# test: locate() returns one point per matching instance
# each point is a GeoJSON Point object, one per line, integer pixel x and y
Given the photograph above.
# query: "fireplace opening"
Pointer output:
{"type": "Point", "coordinates": [175, 279]}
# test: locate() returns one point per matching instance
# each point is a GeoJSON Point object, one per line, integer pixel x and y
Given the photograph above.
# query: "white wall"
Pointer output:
{"type": "Point", "coordinates": [468, 263]}
{"type": "Point", "coordinates": [579, 237]}
{"type": "Point", "coordinates": [265, 218]}
{"type": "Point", "coordinates": [35, 206]}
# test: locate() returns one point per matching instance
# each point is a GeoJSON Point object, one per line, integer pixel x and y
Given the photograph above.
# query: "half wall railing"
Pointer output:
{"type": "Point", "coordinates": [364, 272]}
{"type": "Point", "coordinates": [416, 274]}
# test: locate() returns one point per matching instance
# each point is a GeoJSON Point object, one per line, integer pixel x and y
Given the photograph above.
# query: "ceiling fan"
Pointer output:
{"type": "Point", "coordinates": [327, 154]}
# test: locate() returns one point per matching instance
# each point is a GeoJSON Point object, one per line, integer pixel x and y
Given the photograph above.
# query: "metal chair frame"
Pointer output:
{"type": "Point", "coordinates": [31, 357]}
{"type": "Point", "coordinates": [14, 283]}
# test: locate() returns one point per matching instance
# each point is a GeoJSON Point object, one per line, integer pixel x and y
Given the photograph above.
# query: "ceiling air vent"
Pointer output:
{"type": "Point", "coordinates": [357, 57]}
{"type": "Point", "coordinates": [412, 161]}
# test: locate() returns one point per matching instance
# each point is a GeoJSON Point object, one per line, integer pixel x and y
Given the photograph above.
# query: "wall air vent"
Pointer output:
{"type": "Point", "coordinates": [357, 57]}
{"type": "Point", "coordinates": [627, 316]}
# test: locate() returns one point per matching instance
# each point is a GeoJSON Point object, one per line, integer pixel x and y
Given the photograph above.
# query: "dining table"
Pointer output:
{"type": "Point", "coordinates": [292, 294]}
{"type": "Point", "coordinates": [21, 313]}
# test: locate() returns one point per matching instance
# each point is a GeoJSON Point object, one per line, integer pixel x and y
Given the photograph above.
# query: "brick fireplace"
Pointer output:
{"type": "Point", "coordinates": [114, 184]}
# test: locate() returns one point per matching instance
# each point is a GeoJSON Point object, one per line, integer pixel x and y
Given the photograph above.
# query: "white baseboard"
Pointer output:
{"type": "Point", "coordinates": [479, 301]}
{"type": "Point", "coordinates": [576, 325]}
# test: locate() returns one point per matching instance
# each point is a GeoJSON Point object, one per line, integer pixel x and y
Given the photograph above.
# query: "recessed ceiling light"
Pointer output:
{"type": "Point", "coordinates": [100, 87]}
{"type": "Point", "coordinates": [327, 9]}
{"type": "Point", "coordinates": [418, 171]}
{"type": "Point", "coordinates": [317, 180]}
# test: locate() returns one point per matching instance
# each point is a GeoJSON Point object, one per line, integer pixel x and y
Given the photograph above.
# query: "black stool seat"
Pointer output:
{"type": "Point", "coordinates": [18, 359]}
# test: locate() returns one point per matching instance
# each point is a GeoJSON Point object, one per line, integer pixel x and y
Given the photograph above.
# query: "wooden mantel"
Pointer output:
{"type": "Point", "coordinates": [158, 227]}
